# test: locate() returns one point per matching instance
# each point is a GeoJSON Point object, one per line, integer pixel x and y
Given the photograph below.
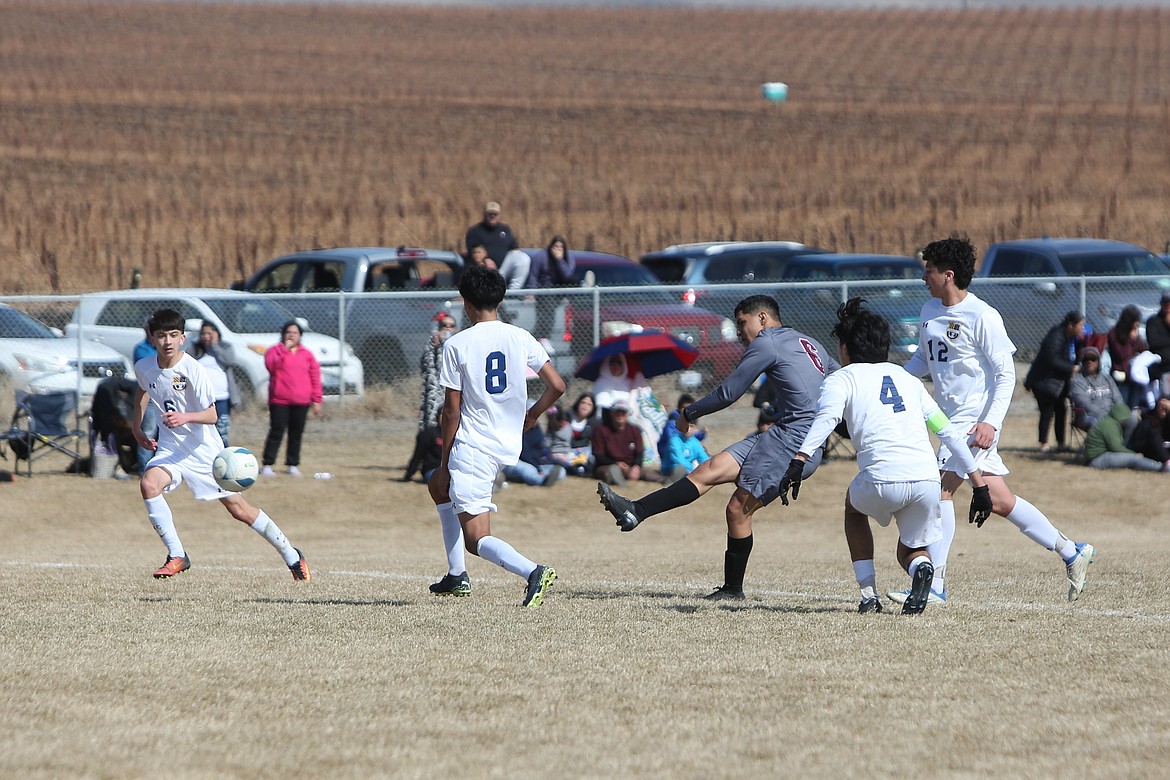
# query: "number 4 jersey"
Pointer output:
{"type": "Point", "coordinates": [487, 364]}
{"type": "Point", "coordinates": [887, 411]}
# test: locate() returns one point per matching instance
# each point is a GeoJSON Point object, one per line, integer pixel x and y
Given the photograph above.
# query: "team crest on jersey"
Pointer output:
{"type": "Point", "coordinates": [953, 329]}
{"type": "Point", "coordinates": [179, 382]}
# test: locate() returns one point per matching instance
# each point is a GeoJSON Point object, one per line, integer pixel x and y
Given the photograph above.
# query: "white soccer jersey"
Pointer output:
{"type": "Point", "coordinates": [486, 363]}
{"type": "Point", "coordinates": [957, 345]}
{"type": "Point", "coordinates": [184, 388]}
{"type": "Point", "coordinates": [886, 410]}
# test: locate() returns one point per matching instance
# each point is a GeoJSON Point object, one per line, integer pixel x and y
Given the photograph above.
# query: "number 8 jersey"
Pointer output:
{"type": "Point", "coordinates": [960, 347]}
{"type": "Point", "coordinates": [486, 363]}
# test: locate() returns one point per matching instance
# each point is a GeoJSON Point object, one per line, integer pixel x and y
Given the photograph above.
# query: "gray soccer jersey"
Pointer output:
{"type": "Point", "coordinates": [795, 366]}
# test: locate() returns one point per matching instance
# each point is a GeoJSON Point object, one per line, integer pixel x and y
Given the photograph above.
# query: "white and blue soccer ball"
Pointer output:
{"type": "Point", "coordinates": [235, 469]}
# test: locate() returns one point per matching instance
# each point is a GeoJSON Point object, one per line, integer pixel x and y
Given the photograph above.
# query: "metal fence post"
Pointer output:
{"type": "Point", "coordinates": [341, 374]}
{"type": "Point", "coordinates": [596, 315]}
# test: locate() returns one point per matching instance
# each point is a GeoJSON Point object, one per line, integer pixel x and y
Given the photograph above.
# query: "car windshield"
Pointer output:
{"type": "Point", "coordinates": [1095, 264]}
{"type": "Point", "coordinates": [18, 325]}
{"type": "Point", "coordinates": [250, 315]}
{"type": "Point", "coordinates": [626, 275]}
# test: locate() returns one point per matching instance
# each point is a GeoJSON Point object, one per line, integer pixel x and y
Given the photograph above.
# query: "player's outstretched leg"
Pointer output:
{"type": "Point", "coordinates": [920, 589]}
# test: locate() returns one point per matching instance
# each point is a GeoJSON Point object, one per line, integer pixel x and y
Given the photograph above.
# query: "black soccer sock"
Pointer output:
{"type": "Point", "coordinates": [735, 561]}
{"type": "Point", "coordinates": [679, 494]}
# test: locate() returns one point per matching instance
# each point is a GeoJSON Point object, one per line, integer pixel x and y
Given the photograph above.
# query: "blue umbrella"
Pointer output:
{"type": "Point", "coordinates": [653, 352]}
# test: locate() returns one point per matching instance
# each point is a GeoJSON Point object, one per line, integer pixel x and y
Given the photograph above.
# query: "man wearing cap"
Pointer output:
{"type": "Point", "coordinates": [1158, 339]}
{"type": "Point", "coordinates": [618, 447]}
{"type": "Point", "coordinates": [492, 234]}
{"type": "Point", "coordinates": [1092, 391]}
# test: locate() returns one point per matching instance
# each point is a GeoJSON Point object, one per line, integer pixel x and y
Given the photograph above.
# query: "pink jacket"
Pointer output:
{"type": "Point", "coordinates": [294, 378]}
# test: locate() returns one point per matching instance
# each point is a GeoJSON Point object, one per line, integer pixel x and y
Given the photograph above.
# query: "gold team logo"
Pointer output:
{"type": "Point", "coordinates": [953, 329]}
{"type": "Point", "coordinates": [179, 383]}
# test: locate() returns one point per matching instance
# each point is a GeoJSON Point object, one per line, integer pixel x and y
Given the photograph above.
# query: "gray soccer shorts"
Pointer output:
{"type": "Point", "coordinates": [764, 457]}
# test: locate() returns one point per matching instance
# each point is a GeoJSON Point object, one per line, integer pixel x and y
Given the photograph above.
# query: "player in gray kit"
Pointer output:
{"type": "Point", "coordinates": [795, 365]}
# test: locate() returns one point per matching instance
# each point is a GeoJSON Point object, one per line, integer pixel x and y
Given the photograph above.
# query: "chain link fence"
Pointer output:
{"type": "Point", "coordinates": [387, 332]}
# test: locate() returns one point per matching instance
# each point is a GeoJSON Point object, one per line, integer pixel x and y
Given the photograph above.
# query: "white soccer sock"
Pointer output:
{"type": "Point", "coordinates": [504, 555]}
{"type": "Point", "coordinates": [939, 551]}
{"type": "Point", "coordinates": [452, 538]}
{"type": "Point", "coordinates": [914, 564]}
{"type": "Point", "coordinates": [866, 578]}
{"type": "Point", "coordinates": [267, 527]}
{"type": "Point", "coordinates": [1034, 525]}
{"type": "Point", "coordinates": [159, 513]}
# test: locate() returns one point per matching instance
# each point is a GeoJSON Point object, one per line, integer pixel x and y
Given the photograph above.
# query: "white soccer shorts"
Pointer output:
{"type": "Point", "coordinates": [473, 476]}
{"type": "Point", "coordinates": [913, 504]}
{"type": "Point", "coordinates": [197, 475]}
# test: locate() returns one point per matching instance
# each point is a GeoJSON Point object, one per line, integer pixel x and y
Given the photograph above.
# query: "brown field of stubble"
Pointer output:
{"type": "Point", "coordinates": [195, 142]}
{"type": "Point", "coordinates": [232, 670]}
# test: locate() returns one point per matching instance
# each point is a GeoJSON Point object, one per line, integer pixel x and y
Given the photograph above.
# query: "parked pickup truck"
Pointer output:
{"type": "Point", "coordinates": [387, 331]}
{"type": "Point", "coordinates": [1035, 282]}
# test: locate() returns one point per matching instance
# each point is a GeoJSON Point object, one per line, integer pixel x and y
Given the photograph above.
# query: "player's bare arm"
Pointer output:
{"type": "Point", "coordinates": [554, 388]}
{"type": "Point", "coordinates": [141, 399]}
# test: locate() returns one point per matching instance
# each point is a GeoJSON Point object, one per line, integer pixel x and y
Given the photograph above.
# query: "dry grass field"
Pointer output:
{"type": "Point", "coordinates": [233, 670]}
{"type": "Point", "coordinates": [197, 141]}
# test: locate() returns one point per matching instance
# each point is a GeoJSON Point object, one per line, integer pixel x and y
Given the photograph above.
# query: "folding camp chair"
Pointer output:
{"type": "Point", "coordinates": [43, 424]}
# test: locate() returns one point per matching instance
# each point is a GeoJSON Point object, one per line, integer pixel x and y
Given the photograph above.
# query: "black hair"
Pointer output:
{"type": "Point", "coordinates": [581, 398]}
{"type": "Point", "coordinates": [165, 320]}
{"type": "Point", "coordinates": [292, 324]}
{"type": "Point", "coordinates": [684, 399]}
{"type": "Point", "coordinates": [482, 287]}
{"type": "Point", "coordinates": [952, 254]}
{"type": "Point", "coordinates": [1129, 316]}
{"type": "Point", "coordinates": [865, 335]}
{"type": "Point", "coordinates": [1072, 318]}
{"type": "Point", "coordinates": [557, 240]}
{"type": "Point", "coordinates": [757, 303]}
{"type": "Point", "coordinates": [212, 325]}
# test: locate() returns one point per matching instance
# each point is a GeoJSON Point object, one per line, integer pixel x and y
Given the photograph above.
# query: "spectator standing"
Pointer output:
{"type": "Point", "coordinates": [617, 447]}
{"type": "Point", "coordinates": [1105, 444]}
{"type": "Point", "coordinates": [217, 358]}
{"type": "Point", "coordinates": [1124, 345]}
{"type": "Point", "coordinates": [294, 389]}
{"type": "Point", "coordinates": [1158, 338]}
{"type": "Point", "coordinates": [1048, 378]}
{"type": "Point", "coordinates": [492, 234]}
{"type": "Point", "coordinates": [428, 442]}
{"type": "Point", "coordinates": [145, 349]}
{"type": "Point", "coordinates": [556, 268]}
{"type": "Point", "coordinates": [1092, 392]}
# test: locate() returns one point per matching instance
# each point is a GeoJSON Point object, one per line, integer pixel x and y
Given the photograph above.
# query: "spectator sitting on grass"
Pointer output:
{"type": "Point", "coordinates": [1093, 392]}
{"type": "Point", "coordinates": [1105, 445]}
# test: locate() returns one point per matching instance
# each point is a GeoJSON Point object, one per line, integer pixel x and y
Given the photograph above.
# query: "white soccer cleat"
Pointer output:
{"type": "Point", "coordinates": [1078, 570]}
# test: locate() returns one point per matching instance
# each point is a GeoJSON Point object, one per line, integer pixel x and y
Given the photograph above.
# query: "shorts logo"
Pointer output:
{"type": "Point", "coordinates": [179, 382]}
{"type": "Point", "coordinates": [953, 329]}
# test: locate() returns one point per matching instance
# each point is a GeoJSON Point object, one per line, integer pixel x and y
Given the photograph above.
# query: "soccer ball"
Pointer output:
{"type": "Point", "coordinates": [235, 469]}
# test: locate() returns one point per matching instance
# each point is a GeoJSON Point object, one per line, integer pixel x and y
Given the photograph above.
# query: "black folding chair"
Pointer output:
{"type": "Point", "coordinates": [43, 424]}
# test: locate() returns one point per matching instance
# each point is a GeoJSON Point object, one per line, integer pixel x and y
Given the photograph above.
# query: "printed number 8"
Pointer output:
{"type": "Point", "coordinates": [496, 377]}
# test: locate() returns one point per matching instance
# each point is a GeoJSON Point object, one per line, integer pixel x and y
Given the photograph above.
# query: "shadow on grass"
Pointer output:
{"type": "Point", "coordinates": [333, 602]}
{"type": "Point", "coordinates": [687, 609]}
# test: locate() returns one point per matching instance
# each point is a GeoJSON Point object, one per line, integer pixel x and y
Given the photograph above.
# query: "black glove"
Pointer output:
{"type": "Point", "coordinates": [791, 479]}
{"type": "Point", "coordinates": [980, 506]}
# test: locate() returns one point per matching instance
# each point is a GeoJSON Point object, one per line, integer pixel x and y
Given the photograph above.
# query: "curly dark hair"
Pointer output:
{"type": "Point", "coordinates": [952, 254]}
{"type": "Point", "coordinates": [482, 287]}
{"type": "Point", "coordinates": [865, 335]}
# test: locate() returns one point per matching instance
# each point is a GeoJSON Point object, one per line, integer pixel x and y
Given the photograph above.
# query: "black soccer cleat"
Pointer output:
{"type": "Point", "coordinates": [725, 593]}
{"type": "Point", "coordinates": [871, 604]}
{"type": "Point", "coordinates": [622, 509]}
{"type": "Point", "coordinates": [452, 585]}
{"type": "Point", "coordinates": [919, 589]}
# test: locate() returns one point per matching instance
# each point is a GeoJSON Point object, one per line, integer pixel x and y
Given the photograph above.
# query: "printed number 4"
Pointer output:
{"type": "Point", "coordinates": [496, 376]}
{"type": "Point", "coordinates": [938, 354]}
{"type": "Point", "coordinates": [889, 395]}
